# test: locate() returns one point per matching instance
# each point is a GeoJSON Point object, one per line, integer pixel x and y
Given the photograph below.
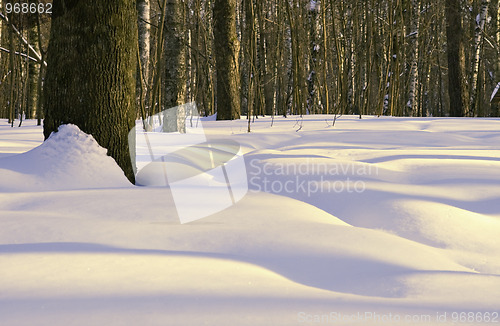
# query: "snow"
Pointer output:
{"type": "Point", "coordinates": [391, 221]}
{"type": "Point", "coordinates": [69, 159]}
{"type": "Point", "coordinates": [495, 91]}
{"type": "Point", "coordinates": [313, 5]}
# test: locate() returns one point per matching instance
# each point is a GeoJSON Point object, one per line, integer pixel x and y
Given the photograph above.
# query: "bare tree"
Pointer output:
{"type": "Point", "coordinates": [478, 45]}
{"type": "Point", "coordinates": [457, 87]}
{"type": "Point", "coordinates": [226, 55]}
{"type": "Point", "coordinates": [175, 64]}
{"type": "Point", "coordinates": [414, 35]}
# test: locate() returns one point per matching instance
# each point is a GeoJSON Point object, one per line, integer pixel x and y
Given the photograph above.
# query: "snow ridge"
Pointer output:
{"type": "Point", "coordinates": [69, 159]}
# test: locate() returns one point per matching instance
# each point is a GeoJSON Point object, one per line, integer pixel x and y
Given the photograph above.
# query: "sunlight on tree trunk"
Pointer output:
{"type": "Point", "coordinates": [91, 72]}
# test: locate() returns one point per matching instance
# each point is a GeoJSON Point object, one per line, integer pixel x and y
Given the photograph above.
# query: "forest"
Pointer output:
{"type": "Point", "coordinates": [342, 166]}
{"type": "Point", "coordinates": [413, 58]}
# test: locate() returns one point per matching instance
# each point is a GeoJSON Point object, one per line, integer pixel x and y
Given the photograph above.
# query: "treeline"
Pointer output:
{"type": "Point", "coordinates": [381, 57]}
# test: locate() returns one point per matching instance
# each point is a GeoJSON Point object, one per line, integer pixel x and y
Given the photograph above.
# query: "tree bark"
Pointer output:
{"type": "Point", "coordinates": [250, 55]}
{"type": "Point", "coordinates": [226, 56]}
{"type": "Point", "coordinates": [313, 93]}
{"type": "Point", "coordinates": [144, 34]}
{"type": "Point", "coordinates": [413, 103]}
{"type": "Point", "coordinates": [144, 43]}
{"type": "Point", "coordinates": [326, 101]}
{"type": "Point", "coordinates": [478, 45]}
{"type": "Point", "coordinates": [457, 86]}
{"type": "Point", "coordinates": [497, 37]}
{"type": "Point", "coordinates": [12, 74]}
{"type": "Point", "coordinates": [175, 55]}
{"type": "Point", "coordinates": [33, 72]}
{"type": "Point", "coordinates": [91, 69]}
{"type": "Point", "coordinates": [41, 74]}
{"type": "Point", "coordinates": [175, 65]}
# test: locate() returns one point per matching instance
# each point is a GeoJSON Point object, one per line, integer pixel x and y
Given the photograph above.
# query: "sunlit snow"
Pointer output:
{"type": "Point", "coordinates": [379, 221]}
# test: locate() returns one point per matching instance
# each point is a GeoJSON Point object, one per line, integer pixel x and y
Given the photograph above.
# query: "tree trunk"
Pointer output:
{"type": "Point", "coordinates": [250, 56]}
{"type": "Point", "coordinates": [326, 101]}
{"type": "Point", "coordinates": [267, 96]}
{"type": "Point", "coordinates": [144, 39]}
{"type": "Point", "coordinates": [478, 45]}
{"type": "Point", "coordinates": [175, 65]}
{"type": "Point", "coordinates": [497, 37]}
{"type": "Point", "coordinates": [175, 55]}
{"type": "Point", "coordinates": [457, 87]}
{"type": "Point", "coordinates": [12, 74]}
{"type": "Point", "coordinates": [313, 94]}
{"type": "Point", "coordinates": [33, 72]}
{"type": "Point", "coordinates": [41, 74]}
{"type": "Point", "coordinates": [226, 56]}
{"type": "Point", "coordinates": [1, 23]}
{"type": "Point", "coordinates": [91, 68]}
{"type": "Point", "coordinates": [414, 34]}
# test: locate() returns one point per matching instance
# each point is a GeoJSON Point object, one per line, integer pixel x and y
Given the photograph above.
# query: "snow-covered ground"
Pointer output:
{"type": "Point", "coordinates": [380, 221]}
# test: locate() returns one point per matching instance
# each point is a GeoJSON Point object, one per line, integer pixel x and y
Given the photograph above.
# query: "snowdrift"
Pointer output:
{"type": "Point", "coordinates": [418, 245]}
{"type": "Point", "coordinates": [68, 160]}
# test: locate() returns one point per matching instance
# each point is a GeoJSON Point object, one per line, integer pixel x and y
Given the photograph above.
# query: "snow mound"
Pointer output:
{"type": "Point", "coordinates": [69, 159]}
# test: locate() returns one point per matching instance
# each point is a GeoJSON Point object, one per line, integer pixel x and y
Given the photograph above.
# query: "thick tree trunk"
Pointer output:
{"type": "Point", "coordinates": [91, 68]}
{"type": "Point", "coordinates": [457, 86]}
{"type": "Point", "coordinates": [226, 56]}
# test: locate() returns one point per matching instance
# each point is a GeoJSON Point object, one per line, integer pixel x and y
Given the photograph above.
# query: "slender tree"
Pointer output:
{"type": "Point", "coordinates": [144, 35]}
{"type": "Point", "coordinates": [12, 73]}
{"type": "Point", "coordinates": [144, 44]}
{"type": "Point", "coordinates": [478, 45]}
{"type": "Point", "coordinates": [314, 47]}
{"type": "Point", "coordinates": [33, 71]}
{"type": "Point", "coordinates": [413, 102]}
{"type": "Point", "coordinates": [250, 57]}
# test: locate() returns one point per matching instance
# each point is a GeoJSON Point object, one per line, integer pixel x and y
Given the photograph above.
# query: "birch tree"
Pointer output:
{"type": "Point", "coordinates": [144, 35]}
{"type": "Point", "coordinates": [144, 44]}
{"type": "Point", "coordinates": [478, 44]}
{"type": "Point", "coordinates": [414, 36]}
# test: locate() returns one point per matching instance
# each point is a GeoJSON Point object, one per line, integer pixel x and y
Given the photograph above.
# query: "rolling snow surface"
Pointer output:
{"type": "Point", "coordinates": [379, 221]}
